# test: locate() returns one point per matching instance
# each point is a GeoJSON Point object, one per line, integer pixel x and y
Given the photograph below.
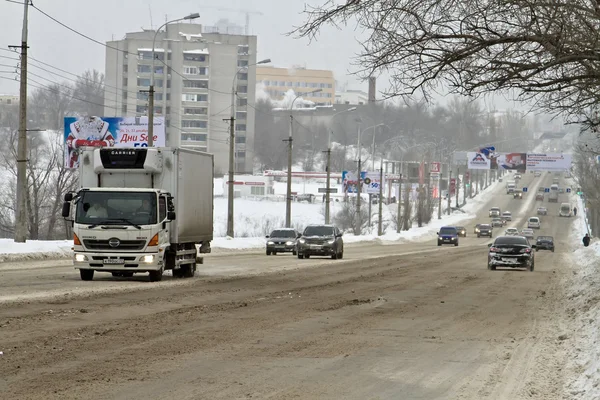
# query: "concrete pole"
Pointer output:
{"type": "Point", "coordinates": [358, 188]}
{"type": "Point", "coordinates": [380, 220]}
{"type": "Point", "coordinates": [288, 201]}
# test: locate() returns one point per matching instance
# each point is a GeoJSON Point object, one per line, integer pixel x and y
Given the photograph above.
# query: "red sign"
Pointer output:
{"type": "Point", "coordinates": [435, 167]}
{"type": "Point", "coordinates": [452, 186]}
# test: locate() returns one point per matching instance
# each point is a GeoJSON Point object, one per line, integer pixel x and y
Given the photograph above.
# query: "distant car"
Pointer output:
{"type": "Point", "coordinates": [534, 222]}
{"type": "Point", "coordinates": [518, 176]}
{"type": "Point", "coordinates": [511, 232]}
{"type": "Point", "coordinates": [282, 241]}
{"type": "Point", "coordinates": [542, 211]}
{"type": "Point", "coordinates": [544, 243]}
{"type": "Point", "coordinates": [507, 216]}
{"type": "Point", "coordinates": [539, 196]}
{"type": "Point", "coordinates": [476, 230]}
{"type": "Point", "coordinates": [537, 174]}
{"type": "Point", "coordinates": [485, 230]}
{"type": "Point", "coordinates": [494, 212]}
{"type": "Point", "coordinates": [447, 235]}
{"type": "Point", "coordinates": [518, 195]}
{"type": "Point", "coordinates": [528, 233]}
{"type": "Point", "coordinates": [497, 222]}
{"type": "Point", "coordinates": [462, 231]}
{"type": "Point", "coordinates": [511, 251]}
{"type": "Point", "coordinates": [321, 240]}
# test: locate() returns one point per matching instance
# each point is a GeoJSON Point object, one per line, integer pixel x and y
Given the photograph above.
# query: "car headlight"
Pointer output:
{"type": "Point", "coordinates": [270, 242]}
{"type": "Point", "coordinates": [453, 238]}
{"type": "Point", "coordinates": [331, 241]}
{"type": "Point", "coordinates": [80, 257]}
{"type": "Point", "coordinates": [148, 259]}
{"type": "Point", "coordinates": [301, 241]}
{"type": "Point", "coordinates": [289, 243]}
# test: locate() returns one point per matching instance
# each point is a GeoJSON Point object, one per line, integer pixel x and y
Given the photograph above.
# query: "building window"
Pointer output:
{"type": "Point", "coordinates": [125, 68]}
{"type": "Point", "coordinates": [196, 111]}
{"type": "Point", "coordinates": [242, 89]}
{"type": "Point", "coordinates": [241, 115]}
{"type": "Point", "coordinates": [243, 49]}
{"type": "Point", "coordinates": [144, 69]}
{"type": "Point", "coordinates": [242, 102]}
{"type": "Point", "coordinates": [242, 63]}
{"type": "Point", "coordinates": [243, 76]}
{"type": "Point", "coordinates": [158, 96]}
{"type": "Point", "coordinates": [186, 123]}
{"type": "Point", "coordinates": [288, 84]}
{"type": "Point", "coordinates": [329, 85]}
{"type": "Point", "coordinates": [147, 55]}
{"type": "Point", "coordinates": [257, 190]}
{"type": "Point", "coordinates": [194, 97]}
{"type": "Point", "coordinates": [141, 109]}
{"type": "Point", "coordinates": [240, 127]}
{"type": "Point", "coordinates": [194, 57]}
{"type": "Point", "coordinates": [124, 108]}
{"type": "Point", "coordinates": [195, 84]}
{"type": "Point", "coordinates": [197, 137]}
{"type": "Point", "coordinates": [125, 81]}
{"type": "Point", "coordinates": [143, 82]}
{"type": "Point", "coordinates": [240, 139]}
{"type": "Point", "coordinates": [282, 83]}
{"type": "Point", "coordinates": [159, 70]}
{"type": "Point", "coordinates": [190, 70]}
{"type": "Point", "coordinates": [123, 95]}
{"type": "Point", "coordinates": [143, 96]}
{"type": "Point", "coordinates": [240, 154]}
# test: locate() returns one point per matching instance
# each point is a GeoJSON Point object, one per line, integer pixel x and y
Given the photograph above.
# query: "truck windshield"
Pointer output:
{"type": "Point", "coordinates": [565, 208]}
{"type": "Point", "coordinates": [116, 208]}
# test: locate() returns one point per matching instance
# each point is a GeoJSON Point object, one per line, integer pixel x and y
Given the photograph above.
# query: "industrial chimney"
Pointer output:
{"type": "Point", "coordinates": [372, 82]}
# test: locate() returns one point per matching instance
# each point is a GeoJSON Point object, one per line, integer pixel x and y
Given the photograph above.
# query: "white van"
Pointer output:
{"type": "Point", "coordinates": [565, 210]}
{"type": "Point", "coordinates": [554, 188]}
{"type": "Point", "coordinates": [534, 223]}
{"type": "Point", "coordinates": [511, 188]}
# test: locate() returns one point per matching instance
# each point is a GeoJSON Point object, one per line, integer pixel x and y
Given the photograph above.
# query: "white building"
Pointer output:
{"type": "Point", "coordinates": [194, 73]}
{"type": "Point", "coordinates": [250, 185]}
{"type": "Point", "coordinates": [352, 97]}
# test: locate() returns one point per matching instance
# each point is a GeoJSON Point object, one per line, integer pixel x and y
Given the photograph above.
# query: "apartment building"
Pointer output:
{"type": "Point", "coordinates": [194, 71]}
{"type": "Point", "coordinates": [9, 99]}
{"type": "Point", "coordinates": [277, 81]}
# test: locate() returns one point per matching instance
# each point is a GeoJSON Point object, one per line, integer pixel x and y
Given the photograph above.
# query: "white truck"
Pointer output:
{"type": "Point", "coordinates": [565, 210]}
{"type": "Point", "coordinates": [141, 210]}
{"type": "Point", "coordinates": [511, 187]}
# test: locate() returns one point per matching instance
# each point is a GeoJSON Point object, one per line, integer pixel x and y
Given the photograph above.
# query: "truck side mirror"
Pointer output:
{"type": "Point", "coordinates": [68, 197]}
{"type": "Point", "coordinates": [171, 215]}
{"type": "Point", "coordinates": [66, 210]}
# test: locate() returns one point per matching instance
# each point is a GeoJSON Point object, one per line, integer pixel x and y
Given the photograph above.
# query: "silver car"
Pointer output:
{"type": "Point", "coordinates": [528, 233]}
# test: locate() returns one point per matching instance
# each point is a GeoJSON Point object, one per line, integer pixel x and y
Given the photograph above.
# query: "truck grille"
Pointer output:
{"type": "Point", "coordinates": [130, 245]}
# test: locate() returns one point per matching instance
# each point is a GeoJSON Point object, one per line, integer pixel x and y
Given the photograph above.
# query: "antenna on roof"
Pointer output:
{"type": "Point", "coordinates": [150, 11]}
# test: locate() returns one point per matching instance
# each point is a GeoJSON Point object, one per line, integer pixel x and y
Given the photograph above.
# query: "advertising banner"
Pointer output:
{"type": "Point", "coordinates": [435, 167]}
{"type": "Point", "coordinates": [370, 182]}
{"type": "Point", "coordinates": [509, 161]}
{"type": "Point", "coordinates": [478, 160]}
{"type": "Point", "coordinates": [548, 161]}
{"type": "Point", "coordinates": [121, 132]}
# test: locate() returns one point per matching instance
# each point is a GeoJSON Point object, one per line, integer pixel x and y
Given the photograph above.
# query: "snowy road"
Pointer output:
{"type": "Point", "coordinates": [416, 322]}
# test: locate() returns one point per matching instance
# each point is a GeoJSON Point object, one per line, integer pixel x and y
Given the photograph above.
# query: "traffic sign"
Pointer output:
{"type": "Point", "coordinates": [331, 190]}
{"type": "Point", "coordinates": [546, 190]}
{"type": "Point", "coordinates": [524, 189]}
{"type": "Point", "coordinates": [568, 190]}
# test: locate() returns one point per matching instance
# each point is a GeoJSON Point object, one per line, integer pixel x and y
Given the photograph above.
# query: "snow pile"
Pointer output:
{"type": "Point", "coordinates": [585, 310]}
{"type": "Point", "coordinates": [34, 249]}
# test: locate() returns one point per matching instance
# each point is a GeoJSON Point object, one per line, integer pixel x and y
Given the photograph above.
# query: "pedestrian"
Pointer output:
{"type": "Point", "coordinates": [586, 240]}
{"type": "Point", "coordinates": [575, 211]}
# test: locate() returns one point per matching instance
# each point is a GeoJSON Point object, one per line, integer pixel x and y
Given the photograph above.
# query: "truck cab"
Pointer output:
{"type": "Point", "coordinates": [141, 210]}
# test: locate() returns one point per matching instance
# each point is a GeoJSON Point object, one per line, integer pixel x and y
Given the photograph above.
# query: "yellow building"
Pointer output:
{"type": "Point", "coordinates": [9, 99]}
{"type": "Point", "coordinates": [278, 81]}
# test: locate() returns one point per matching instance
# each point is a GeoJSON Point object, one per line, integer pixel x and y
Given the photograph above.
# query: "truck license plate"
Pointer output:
{"type": "Point", "coordinates": [114, 261]}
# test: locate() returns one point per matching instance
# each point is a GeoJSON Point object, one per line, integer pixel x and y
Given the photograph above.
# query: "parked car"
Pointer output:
{"type": "Point", "coordinates": [320, 240]}
{"type": "Point", "coordinates": [282, 241]}
{"type": "Point", "coordinates": [511, 251]}
{"type": "Point", "coordinates": [544, 243]}
{"type": "Point", "coordinates": [462, 231]}
{"type": "Point", "coordinates": [447, 235]}
{"type": "Point", "coordinates": [542, 211]}
{"type": "Point", "coordinates": [485, 230]}
{"type": "Point", "coordinates": [507, 216]}
{"type": "Point", "coordinates": [527, 232]}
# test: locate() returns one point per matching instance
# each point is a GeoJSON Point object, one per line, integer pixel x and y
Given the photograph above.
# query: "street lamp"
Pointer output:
{"type": "Point", "coordinates": [288, 203]}
{"type": "Point", "coordinates": [151, 91]}
{"type": "Point", "coordinates": [231, 179]}
{"type": "Point", "coordinates": [373, 145]}
{"type": "Point", "coordinates": [328, 186]}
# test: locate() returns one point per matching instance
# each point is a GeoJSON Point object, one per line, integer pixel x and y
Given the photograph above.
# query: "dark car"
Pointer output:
{"type": "Point", "coordinates": [485, 230]}
{"type": "Point", "coordinates": [320, 240]}
{"type": "Point", "coordinates": [282, 241]}
{"type": "Point", "coordinates": [511, 251]}
{"type": "Point", "coordinates": [462, 231]}
{"type": "Point", "coordinates": [544, 243]}
{"type": "Point", "coordinates": [447, 235]}
{"type": "Point", "coordinates": [476, 230]}
{"type": "Point", "coordinates": [518, 195]}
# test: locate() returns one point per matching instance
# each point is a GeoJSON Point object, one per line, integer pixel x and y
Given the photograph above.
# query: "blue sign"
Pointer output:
{"type": "Point", "coordinates": [568, 190]}
{"type": "Point", "coordinates": [525, 189]}
{"type": "Point", "coordinates": [546, 190]}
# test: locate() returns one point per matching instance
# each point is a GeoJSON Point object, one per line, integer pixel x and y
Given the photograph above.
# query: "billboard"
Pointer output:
{"type": "Point", "coordinates": [548, 161]}
{"type": "Point", "coordinates": [478, 160]}
{"type": "Point", "coordinates": [370, 182]}
{"type": "Point", "coordinates": [122, 132]}
{"type": "Point", "coordinates": [510, 161]}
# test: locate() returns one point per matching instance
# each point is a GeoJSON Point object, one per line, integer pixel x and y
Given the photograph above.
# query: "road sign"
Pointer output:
{"type": "Point", "coordinates": [524, 189]}
{"type": "Point", "coordinates": [331, 190]}
{"type": "Point", "coordinates": [546, 190]}
{"type": "Point", "coordinates": [435, 167]}
{"type": "Point", "coordinates": [568, 190]}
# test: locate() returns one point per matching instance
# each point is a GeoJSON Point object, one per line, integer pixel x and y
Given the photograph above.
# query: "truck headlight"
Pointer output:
{"type": "Point", "coordinates": [80, 257]}
{"type": "Point", "coordinates": [148, 259]}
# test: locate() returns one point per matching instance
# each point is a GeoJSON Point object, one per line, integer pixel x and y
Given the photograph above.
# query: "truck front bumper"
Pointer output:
{"type": "Point", "coordinates": [118, 262]}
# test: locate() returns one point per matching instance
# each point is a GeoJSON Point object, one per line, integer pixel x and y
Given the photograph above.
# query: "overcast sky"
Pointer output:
{"type": "Point", "coordinates": [107, 19]}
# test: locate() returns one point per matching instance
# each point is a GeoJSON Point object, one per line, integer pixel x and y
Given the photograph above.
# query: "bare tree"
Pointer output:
{"type": "Point", "coordinates": [89, 93]}
{"type": "Point", "coordinates": [49, 105]}
{"type": "Point", "coordinates": [540, 51]}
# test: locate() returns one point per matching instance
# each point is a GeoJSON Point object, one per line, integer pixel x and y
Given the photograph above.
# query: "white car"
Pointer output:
{"type": "Point", "coordinates": [534, 223]}
{"type": "Point", "coordinates": [528, 233]}
{"type": "Point", "coordinates": [507, 216]}
{"type": "Point", "coordinates": [511, 232]}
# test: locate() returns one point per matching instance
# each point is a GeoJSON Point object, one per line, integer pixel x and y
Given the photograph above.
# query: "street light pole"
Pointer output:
{"type": "Point", "coordinates": [328, 185]}
{"type": "Point", "coordinates": [151, 89]}
{"type": "Point", "coordinates": [288, 202]}
{"type": "Point", "coordinates": [380, 220]}
{"type": "Point", "coordinates": [358, 188]}
{"type": "Point", "coordinates": [231, 173]}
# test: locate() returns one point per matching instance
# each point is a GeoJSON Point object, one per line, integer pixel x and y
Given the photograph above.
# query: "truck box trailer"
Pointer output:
{"type": "Point", "coordinates": [141, 210]}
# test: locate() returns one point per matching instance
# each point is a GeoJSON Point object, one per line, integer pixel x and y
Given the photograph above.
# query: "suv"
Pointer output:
{"type": "Point", "coordinates": [507, 216]}
{"type": "Point", "coordinates": [494, 212]}
{"type": "Point", "coordinates": [282, 241]}
{"type": "Point", "coordinates": [544, 243]}
{"type": "Point", "coordinates": [447, 235]}
{"type": "Point", "coordinates": [534, 223]}
{"type": "Point", "coordinates": [484, 230]}
{"type": "Point", "coordinates": [511, 251]}
{"type": "Point", "coordinates": [321, 240]}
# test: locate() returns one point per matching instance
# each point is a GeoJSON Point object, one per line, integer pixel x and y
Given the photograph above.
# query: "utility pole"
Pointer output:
{"type": "Point", "coordinates": [456, 185]}
{"type": "Point", "coordinates": [440, 193]}
{"type": "Point", "coordinates": [399, 200]}
{"type": "Point", "coordinates": [358, 189]}
{"type": "Point", "coordinates": [450, 186]}
{"type": "Point", "coordinates": [465, 184]}
{"type": "Point", "coordinates": [328, 185]}
{"type": "Point", "coordinates": [288, 201]}
{"type": "Point", "coordinates": [22, 187]}
{"type": "Point", "coordinates": [380, 220]}
{"type": "Point", "coordinates": [231, 179]}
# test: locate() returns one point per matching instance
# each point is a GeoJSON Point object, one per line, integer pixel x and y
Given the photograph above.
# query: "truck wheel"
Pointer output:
{"type": "Point", "coordinates": [188, 270]}
{"type": "Point", "coordinates": [86, 274]}
{"type": "Point", "coordinates": [156, 276]}
{"type": "Point", "coordinates": [178, 273]}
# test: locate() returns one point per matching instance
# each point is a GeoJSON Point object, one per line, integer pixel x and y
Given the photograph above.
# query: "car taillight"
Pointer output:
{"type": "Point", "coordinates": [526, 250]}
{"type": "Point", "coordinates": [494, 249]}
